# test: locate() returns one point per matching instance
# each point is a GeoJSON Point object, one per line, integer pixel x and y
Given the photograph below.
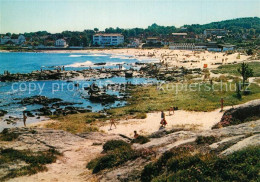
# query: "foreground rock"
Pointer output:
{"type": "Point", "coordinates": [152, 70]}
{"type": "Point", "coordinates": [103, 97]}
{"type": "Point", "coordinates": [47, 111]}
{"type": "Point", "coordinates": [79, 149]}
{"type": "Point", "coordinates": [229, 140]}
{"type": "Point", "coordinates": [76, 150]}
{"type": "Point", "coordinates": [2, 113]}
{"type": "Point", "coordinates": [240, 114]}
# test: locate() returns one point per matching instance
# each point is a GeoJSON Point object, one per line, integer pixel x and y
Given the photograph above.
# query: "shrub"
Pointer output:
{"type": "Point", "coordinates": [140, 139]}
{"type": "Point", "coordinates": [35, 161]}
{"type": "Point", "coordinates": [113, 158]}
{"type": "Point", "coordinates": [242, 165]}
{"type": "Point", "coordinates": [205, 139]}
{"type": "Point", "coordinates": [93, 163]}
{"type": "Point", "coordinates": [114, 144]}
{"type": "Point", "coordinates": [5, 135]}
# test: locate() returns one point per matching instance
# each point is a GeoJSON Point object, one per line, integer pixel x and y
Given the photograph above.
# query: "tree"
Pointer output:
{"type": "Point", "coordinates": [8, 34]}
{"type": "Point", "coordinates": [74, 41]}
{"type": "Point", "coordinates": [249, 52]}
{"type": "Point", "coordinates": [245, 72]}
{"type": "Point", "coordinates": [96, 30]}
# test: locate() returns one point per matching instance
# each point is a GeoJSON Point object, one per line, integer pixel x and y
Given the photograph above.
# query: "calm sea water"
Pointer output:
{"type": "Point", "coordinates": [12, 92]}
{"type": "Point", "coordinates": [28, 62]}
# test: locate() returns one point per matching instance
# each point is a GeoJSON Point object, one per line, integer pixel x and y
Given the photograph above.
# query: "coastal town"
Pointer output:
{"type": "Point", "coordinates": [188, 37]}
{"type": "Point", "coordinates": [160, 103]}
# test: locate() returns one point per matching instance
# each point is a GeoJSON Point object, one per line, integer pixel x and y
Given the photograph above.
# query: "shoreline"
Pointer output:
{"type": "Point", "coordinates": [172, 58]}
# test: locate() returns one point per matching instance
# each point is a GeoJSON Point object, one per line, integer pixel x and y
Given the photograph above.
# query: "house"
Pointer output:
{"type": "Point", "coordinates": [60, 43]}
{"type": "Point", "coordinates": [5, 39]}
{"type": "Point", "coordinates": [214, 48]}
{"type": "Point", "coordinates": [153, 40]}
{"type": "Point", "coordinates": [134, 43]}
{"type": "Point", "coordinates": [227, 47]}
{"type": "Point", "coordinates": [215, 32]}
{"type": "Point", "coordinates": [181, 35]}
{"type": "Point", "coordinates": [21, 39]}
{"type": "Point", "coordinates": [108, 39]}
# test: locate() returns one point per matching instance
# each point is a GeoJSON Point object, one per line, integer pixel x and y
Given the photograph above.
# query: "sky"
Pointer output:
{"type": "Point", "coordinates": [19, 16]}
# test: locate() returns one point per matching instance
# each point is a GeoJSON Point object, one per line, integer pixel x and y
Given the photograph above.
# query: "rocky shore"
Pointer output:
{"type": "Point", "coordinates": [154, 70]}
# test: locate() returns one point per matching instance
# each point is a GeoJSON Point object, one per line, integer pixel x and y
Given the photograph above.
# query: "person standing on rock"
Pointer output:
{"type": "Point", "coordinates": [24, 118]}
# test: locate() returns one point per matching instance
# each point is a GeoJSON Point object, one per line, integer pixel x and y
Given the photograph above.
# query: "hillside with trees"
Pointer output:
{"type": "Point", "coordinates": [239, 30]}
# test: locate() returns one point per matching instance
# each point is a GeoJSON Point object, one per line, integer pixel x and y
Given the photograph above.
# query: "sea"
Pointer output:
{"type": "Point", "coordinates": [20, 62]}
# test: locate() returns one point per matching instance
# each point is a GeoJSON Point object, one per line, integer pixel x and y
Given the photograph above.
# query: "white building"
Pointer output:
{"type": "Point", "coordinates": [108, 39]}
{"type": "Point", "coordinates": [153, 40]}
{"type": "Point", "coordinates": [60, 43]}
{"type": "Point", "coordinates": [182, 46]}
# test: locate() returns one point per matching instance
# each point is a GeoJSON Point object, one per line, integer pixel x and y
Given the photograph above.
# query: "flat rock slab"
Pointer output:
{"type": "Point", "coordinates": [244, 128]}
{"type": "Point", "coordinates": [250, 141]}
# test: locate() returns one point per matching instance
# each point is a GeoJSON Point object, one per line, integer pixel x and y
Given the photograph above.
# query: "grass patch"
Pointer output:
{"type": "Point", "coordinates": [201, 98]}
{"type": "Point", "coordinates": [35, 161]}
{"type": "Point", "coordinates": [257, 80]}
{"type": "Point", "coordinates": [6, 135]}
{"type": "Point", "coordinates": [182, 165]}
{"type": "Point", "coordinates": [232, 69]}
{"type": "Point", "coordinates": [118, 152]}
{"type": "Point", "coordinates": [76, 123]}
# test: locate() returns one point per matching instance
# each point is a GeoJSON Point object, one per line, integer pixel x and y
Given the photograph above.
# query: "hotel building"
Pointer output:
{"type": "Point", "coordinates": [108, 39]}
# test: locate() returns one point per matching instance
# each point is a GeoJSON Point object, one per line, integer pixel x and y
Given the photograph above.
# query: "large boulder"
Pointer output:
{"type": "Point", "coordinates": [240, 114]}
{"type": "Point", "coordinates": [102, 97]}
{"type": "Point", "coordinates": [42, 100]}
{"type": "Point", "coordinates": [2, 112]}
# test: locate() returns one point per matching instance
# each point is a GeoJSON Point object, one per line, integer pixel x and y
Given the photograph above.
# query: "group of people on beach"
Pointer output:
{"type": "Point", "coordinates": [59, 68]}
{"type": "Point", "coordinates": [163, 120]}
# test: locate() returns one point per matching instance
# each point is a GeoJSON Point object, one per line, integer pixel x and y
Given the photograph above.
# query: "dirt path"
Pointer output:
{"type": "Point", "coordinates": [69, 167]}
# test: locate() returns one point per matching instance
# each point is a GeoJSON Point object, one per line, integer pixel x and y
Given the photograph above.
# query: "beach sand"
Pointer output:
{"type": "Point", "coordinates": [180, 119]}
{"type": "Point", "coordinates": [179, 58]}
{"type": "Point", "coordinates": [189, 120]}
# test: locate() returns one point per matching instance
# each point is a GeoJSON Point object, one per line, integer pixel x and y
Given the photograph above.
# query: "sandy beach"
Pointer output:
{"type": "Point", "coordinates": [175, 58]}
{"type": "Point", "coordinates": [151, 124]}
